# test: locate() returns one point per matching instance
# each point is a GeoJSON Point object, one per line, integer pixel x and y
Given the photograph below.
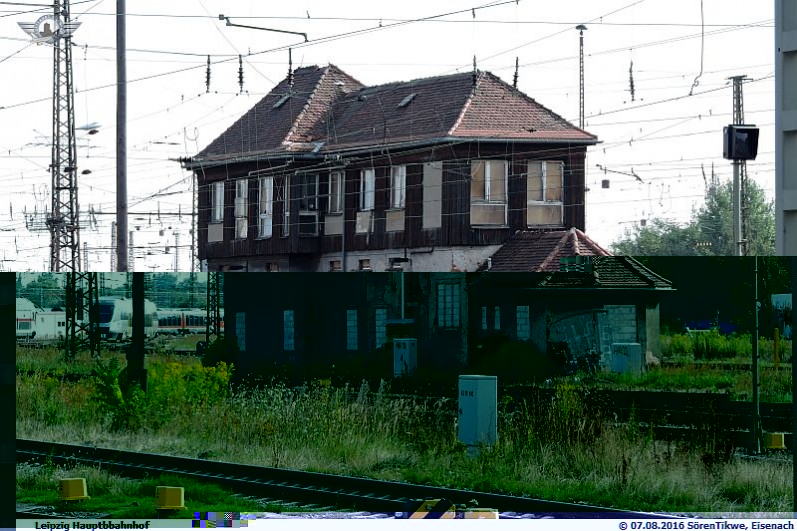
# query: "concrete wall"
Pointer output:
{"type": "Point", "coordinates": [786, 127]}
{"type": "Point", "coordinates": [439, 259]}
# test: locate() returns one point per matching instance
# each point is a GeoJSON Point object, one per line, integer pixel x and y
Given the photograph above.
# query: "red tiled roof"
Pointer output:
{"type": "Point", "coordinates": [498, 110]}
{"type": "Point", "coordinates": [541, 251]}
{"type": "Point", "coordinates": [331, 111]}
{"type": "Point", "coordinates": [266, 129]}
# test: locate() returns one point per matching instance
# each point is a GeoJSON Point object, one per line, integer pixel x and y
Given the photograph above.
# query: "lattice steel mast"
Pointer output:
{"type": "Point", "coordinates": [63, 221]}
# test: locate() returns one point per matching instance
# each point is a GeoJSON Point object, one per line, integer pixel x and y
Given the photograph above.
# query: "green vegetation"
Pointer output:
{"type": "Point", "coordinates": [560, 450]}
{"type": "Point", "coordinates": [120, 497]}
{"type": "Point", "coordinates": [713, 346]}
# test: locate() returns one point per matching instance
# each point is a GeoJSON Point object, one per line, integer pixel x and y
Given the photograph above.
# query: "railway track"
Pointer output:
{"type": "Point", "coordinates": [305, 488]}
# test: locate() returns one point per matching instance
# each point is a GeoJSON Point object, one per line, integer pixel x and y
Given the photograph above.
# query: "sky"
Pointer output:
{"type": "Point", "coordinates": [679, 53]}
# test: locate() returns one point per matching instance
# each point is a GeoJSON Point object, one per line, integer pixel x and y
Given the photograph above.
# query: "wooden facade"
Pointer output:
{"type": "Point", "coordinates": [455, 227]}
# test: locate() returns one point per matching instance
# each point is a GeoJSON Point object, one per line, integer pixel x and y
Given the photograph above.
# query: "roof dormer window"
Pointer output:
{"type": "Point", "coordinates": [282, 101]}
{"type": "Point", "coordinates": [406, 101]}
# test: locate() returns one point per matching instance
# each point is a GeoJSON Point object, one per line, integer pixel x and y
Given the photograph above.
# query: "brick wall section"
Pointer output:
{"type": "Point", "coordinates": [622, 322]}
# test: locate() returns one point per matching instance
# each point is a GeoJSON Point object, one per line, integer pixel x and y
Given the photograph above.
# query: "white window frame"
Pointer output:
{"type": "Point", "coordinates": [288, 330]}
{"type": "Point", "coordinates": [351, 330]}
{"type": "Point", "coordinates": [488, 178]}
{"type": "Point", "coordinates": [367, 189]}
{"type": "Point", "coordinates": [398, 186]}
{"type": "Point", "coordinates": [448, 294]}
{"type": "Point", "coordinates": [544, 165]}
{"type": "Point", "coordinates": [523, 323]}
{"type": "Point", "coordinates": [217, 202]}
{"type": "Point", "coordinates": [241, 208]}
{"type": "Point", "coordinates": [286, 205]}
{"type": "Point", "coordinates": [380, 322]}
{"type": "Point", "coordinates": [336, 197]}
{"type": "Point", "coordinates": [265, 225]}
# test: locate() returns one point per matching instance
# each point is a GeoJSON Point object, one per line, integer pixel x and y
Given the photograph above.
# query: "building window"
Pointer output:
{"type": "Point", "coordinates": [448, 305]}
{"type": "Point", "coordinates": [488, 181]}
{"type": "Point", "coordinates": [335, 193]}
{"type": "Point", "coordinates": [398, 186]}
{"type": "Point", "coordinates": [335, 265]}
{"type": "Point", "coordinates": [351, 329]}
{"type": "Point", "coordinates": [365, 264]}
{"type": "Point", "coordinates": [488, 191]}
{"type": "Point", "coordinates": [288, 330]}
{"type": "Point", "coordinates": [272, 267]}
{"type": "Point", "coordinates": [217, 200]}
{"type": "Point", "coordinates": [497, 321]}
{"type": "Point", "coordinates": [241, 194]}
{"type": "Point", "coordinates": [544, 189]}
{"type": "Point", "coordinates": [240, 330]}
{"type": "Point", "coordinates": [266, 207]}
{"type": "Point", "coordinates": [283, 196]}
{"type": "Point", "coordinates": [381, 326]}
{"type": "Point", "coordinates": [523, 323]}
{"type": "Point", "coordinates": [308, 192]}
{"type": "Point", "coordinates": [367, 188]}
{"type": "Point", "coordinates": [484, 317]}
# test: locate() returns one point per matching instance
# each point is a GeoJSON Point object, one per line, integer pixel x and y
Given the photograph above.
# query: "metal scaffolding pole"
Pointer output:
{"type": "Point", "coordinates": [213, 321]}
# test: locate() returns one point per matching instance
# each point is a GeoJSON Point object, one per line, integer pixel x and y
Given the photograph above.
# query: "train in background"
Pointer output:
{"type": "Point", "coordinates": [116, 324]}
{"type": "Point", "coordinates": [184, 321]}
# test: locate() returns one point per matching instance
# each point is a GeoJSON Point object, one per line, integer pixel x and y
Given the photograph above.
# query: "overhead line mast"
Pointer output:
{"type": "Point", "coordinates": [63, 221]}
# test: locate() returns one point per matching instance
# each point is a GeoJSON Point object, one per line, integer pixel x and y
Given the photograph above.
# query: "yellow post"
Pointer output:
{"type": "Point", "coordinates": [777, 355]}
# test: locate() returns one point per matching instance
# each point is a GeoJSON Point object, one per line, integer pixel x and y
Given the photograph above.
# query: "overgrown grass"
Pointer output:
{"type": "Point", "coordinates": [775, 385]}
{"type": "Point", "coordinates": [120, 497]}
{"type": "Point", "coordinates": [713, 346]}
{"type": "Point", "coordinates": [559, 450]}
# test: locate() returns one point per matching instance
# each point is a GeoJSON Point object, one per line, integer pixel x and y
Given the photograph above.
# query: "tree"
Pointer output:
{"type": "Point", "coordinates": [710, 231]}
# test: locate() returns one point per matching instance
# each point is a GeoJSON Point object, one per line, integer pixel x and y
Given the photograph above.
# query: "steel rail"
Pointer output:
{"type": "Point", "coordinates": [312, 487]}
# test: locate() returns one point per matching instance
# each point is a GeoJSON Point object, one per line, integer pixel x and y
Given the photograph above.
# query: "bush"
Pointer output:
{"type": "Point", "coordinates": [513, 361]}
{"type": "Point", "coordinates": [220, 351]}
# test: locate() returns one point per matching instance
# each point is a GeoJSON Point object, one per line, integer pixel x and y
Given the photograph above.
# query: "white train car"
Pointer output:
{"type": "Point", "coordinates": [116, 318]}
{"type": "Point", "coordinates": [50, 325]}
{"type": "Point", "coordinates": [26, 319]}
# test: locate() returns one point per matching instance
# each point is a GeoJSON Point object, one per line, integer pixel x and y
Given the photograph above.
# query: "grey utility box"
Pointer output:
{"type": "Point", "coordinates": [478, 410]}
{"type": "Point", "coordinates": [405, 356]}
{"type": "Point", "coordinates": [627, 358]}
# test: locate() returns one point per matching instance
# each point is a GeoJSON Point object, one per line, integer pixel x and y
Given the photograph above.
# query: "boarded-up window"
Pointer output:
{"type": "Point", "coordinates": [266, 207]}
{"type": "Point", "coordinates": [432, 195]}
{"type": "Point", "coordinates": [545, 193]}
{"type": "Point", "coordinates": [448, 305]}
{"type": "Point", "coordinates": [288, 330]}
{"type": "Point", "coordinates": [217, 200]}
{"type": "Point", "coordinates": [381, 327]}
{"type": "Point", "coordinates": [523, 323]}
{"type": "Point", "coordinates": [351, 329]}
